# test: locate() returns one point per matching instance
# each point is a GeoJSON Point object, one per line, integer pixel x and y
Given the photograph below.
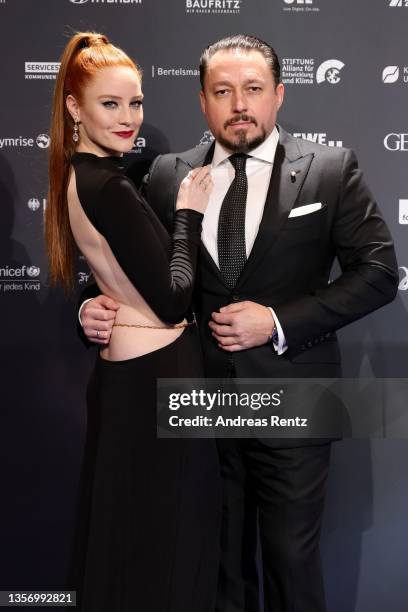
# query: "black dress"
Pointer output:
{"type": "Point", "coordinates": [148, 527]}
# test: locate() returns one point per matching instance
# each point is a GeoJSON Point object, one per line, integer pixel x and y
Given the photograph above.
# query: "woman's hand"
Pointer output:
{"type": "Point", "coordinates": [195, 190]}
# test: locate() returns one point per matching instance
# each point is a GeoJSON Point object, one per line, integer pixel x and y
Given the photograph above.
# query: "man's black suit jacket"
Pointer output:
{"type": "Point", "coordinates": [291, 260]}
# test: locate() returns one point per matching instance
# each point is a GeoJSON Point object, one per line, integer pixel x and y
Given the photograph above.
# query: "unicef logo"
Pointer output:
{"type": "Point", "coordinates": [207, 138]}
{"type": "Point", "coordinates": [78, 1]}
{"type": "Point", "coordinates": [329, 71]}
{"type": "Point", "coordinates": [33, 271]}
{"type": "Point", "coordinates": [33, 204]}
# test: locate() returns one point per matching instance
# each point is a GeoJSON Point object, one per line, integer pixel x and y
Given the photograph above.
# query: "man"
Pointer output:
{"type": "Point", "coordinates": [281, 211]}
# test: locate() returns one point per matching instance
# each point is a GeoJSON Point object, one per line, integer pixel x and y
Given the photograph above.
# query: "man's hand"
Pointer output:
{"type": "Point", "coordinates": [98, 315]}
{"type": "Point", "coordinates": [242, 325]}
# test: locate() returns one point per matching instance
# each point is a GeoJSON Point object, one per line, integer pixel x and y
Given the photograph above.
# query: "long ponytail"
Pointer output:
{"type": "Point", "coordinates": [84, 55]}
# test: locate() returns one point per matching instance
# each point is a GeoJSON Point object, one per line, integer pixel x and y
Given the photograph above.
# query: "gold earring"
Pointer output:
{"type": "Point", "coordinates": [75, 135]}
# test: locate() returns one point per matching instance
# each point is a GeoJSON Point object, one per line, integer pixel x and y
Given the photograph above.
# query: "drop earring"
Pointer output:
{"type": "Point", "coordinates": [75, 135]}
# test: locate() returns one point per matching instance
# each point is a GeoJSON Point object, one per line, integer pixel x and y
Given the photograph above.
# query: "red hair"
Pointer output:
{"type": "Point", "coordinates": [85, 54]}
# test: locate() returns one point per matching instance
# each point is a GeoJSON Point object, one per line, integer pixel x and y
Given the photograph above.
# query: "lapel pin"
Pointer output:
{"type": "Point", "coordinates": [293, 176]}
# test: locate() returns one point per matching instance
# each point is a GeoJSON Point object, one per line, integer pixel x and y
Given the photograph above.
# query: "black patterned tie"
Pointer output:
{"type": "Point", "coordinates": [231, 223]}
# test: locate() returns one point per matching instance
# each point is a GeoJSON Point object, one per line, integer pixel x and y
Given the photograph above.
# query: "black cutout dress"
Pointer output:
{"type": "Point", "coordinates": [147, 538]}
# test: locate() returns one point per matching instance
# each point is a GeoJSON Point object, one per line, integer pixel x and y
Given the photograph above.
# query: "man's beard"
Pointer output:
{"type": "Point", "coordinates": [242, 144]}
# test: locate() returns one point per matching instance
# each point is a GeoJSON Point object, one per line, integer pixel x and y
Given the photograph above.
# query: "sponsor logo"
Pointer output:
{"type": "Point", "coordinates": [329, 71]}
{"type": "Point", "coordinates": [140, 144]}
{"type": "Point", "coordinates": [20, 141]}
{"type": "Point", "coordinates": [396, 142]}
{"type": "Point", "coordinates": [159, 71]}
{"type": "Point", "coordinates": [298, 71]}
{"type": "Point", "coordinates": [106, 1]}
{"type": "Point", "coordinates": [21, 272]}
{"type": "Point", "coordinates": [403, 284]}
{"type": "Point", "coordinates": [35, 204]}
{"type": "Point", "coordinates": [319, 138]}
{"type": "Point", "coordinates": [390, 74]}
{"type": "Point", "coordinates": [403, 212]}
{"type": "Point", "coordinates": [207, 138]}
{"type": "Point", "coordinates": [394, 3]}
{"type": "Point", "coordinates": [300, 6]}
{"type": "Point", "coordinates": [33, 271]}
{"type": "Point", "coordinates": [42, 141]}
{"type": "Point", "coordinates": [301, 71]}
{"type": "Point", "coordinates": [41, 70]}
{"type": "Point", "coordinates": [229, 7]}
{"type": "Point", "coordinates": [23, 278]}
{"type": "Point", "coordinates": [83, 277]}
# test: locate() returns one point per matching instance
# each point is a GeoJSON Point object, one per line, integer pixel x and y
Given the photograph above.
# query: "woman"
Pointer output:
{"type": "Point", "coordinates": [149, 518]}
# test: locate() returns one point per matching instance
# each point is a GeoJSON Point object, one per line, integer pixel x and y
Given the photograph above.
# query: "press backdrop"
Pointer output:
{"type": "Point", "coordinates": [345, 66]}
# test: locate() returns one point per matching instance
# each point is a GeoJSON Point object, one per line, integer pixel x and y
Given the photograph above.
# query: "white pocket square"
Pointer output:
{"type": "Point", "coordinates": [305, 210]}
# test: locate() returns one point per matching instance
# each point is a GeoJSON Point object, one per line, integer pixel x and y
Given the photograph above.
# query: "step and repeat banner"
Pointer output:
{"type": "Point", "coordinates": [345, 69]}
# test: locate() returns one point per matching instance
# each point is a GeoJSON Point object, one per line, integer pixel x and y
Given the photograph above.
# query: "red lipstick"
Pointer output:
{"type": "Point", "coordinates": [127, 134]}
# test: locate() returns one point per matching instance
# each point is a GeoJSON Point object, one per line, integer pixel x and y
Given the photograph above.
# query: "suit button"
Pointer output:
{"type": "Point", "coordinates": [236, 298]}
{"type": "Point", "coordinates": [309, 344]}
{"type": "Point", "coordinates": [303, 348]}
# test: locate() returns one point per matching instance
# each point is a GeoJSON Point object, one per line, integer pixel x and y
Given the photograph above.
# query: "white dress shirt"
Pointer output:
{"type": "Point", "coordinates": [259, 170]}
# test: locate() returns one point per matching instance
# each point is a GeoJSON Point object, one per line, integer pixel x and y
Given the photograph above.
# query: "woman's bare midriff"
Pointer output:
{"type": "Point", "coordinates": [129, 342]}
{"type": "Point", "coordinates": [125, 342]}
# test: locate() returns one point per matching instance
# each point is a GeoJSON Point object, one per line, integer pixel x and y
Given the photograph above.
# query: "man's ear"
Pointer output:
{"type": "Point", "coordinates": [202, 101]}
{"type": "Point", "coordinates": [280, 93]}
{"type": "Point", "coordinates": [73, 108]}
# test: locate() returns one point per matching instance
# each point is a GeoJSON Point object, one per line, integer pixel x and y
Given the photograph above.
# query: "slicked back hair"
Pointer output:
{"type": "Point", "coordinates": [246, 43]}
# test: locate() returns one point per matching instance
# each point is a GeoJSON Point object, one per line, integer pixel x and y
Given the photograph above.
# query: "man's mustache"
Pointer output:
{"type": "Point", "coordinates": [239, 118]}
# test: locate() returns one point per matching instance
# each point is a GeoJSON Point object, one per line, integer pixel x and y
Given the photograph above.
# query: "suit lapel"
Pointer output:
{"type": "Point", "coordinates": [281, 196]}
{"type": "Point", "coordinates": [185, 162]}
{"type": "Point", "coordinates": [283, 190]}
